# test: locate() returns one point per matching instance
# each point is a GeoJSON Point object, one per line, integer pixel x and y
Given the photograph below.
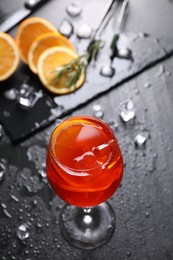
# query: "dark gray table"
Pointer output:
{"type": "Point", "coordinates": [143, 203]}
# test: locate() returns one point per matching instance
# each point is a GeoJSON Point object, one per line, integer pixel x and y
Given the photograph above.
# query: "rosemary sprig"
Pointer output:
{"type": "Point", "coordinates": [76, 67]}
{"type": "Point", "coordinates": [93, 49]}
{"type": "Point", "coordinates": [113, 46]}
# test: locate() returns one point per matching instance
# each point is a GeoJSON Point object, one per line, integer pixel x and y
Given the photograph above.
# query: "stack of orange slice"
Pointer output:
{"type": "Point", "coordinates": [44, 50]}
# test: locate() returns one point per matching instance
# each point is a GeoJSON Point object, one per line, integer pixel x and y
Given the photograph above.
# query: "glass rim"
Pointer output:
{"type": "Point", "coordinates": [86, 170]}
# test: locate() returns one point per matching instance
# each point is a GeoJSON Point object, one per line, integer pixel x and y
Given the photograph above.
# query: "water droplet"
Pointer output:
{"type": "Point", "coordinates": [147, 214]}
{"type": "Point", "coordinates": [84, 31]}
{"type": "Point", "coordinates": [137, 91]}
{"type": "Point", "coordinates": [74, 9]}
{"type": "Point", "coordinates": [23, 232]}
{"type": "Point", "coordinates": [10, 94]}
{"type": "Point", "coordinates": [57, 111]}
{"type": "Point", "coordinates": [140, 140]}
{"type": "Point", "coordinates": [14, 244]}
{"type": "Point", "coordinates": [160, 71]}
{"type": "Point", "coordinates": [1, 176]}
{"type": "Point", "coordinates": [3, 206]}
{"type": "Point", "coordinates": [152, 166]}
{"type": "Point", "coordinates": [2, 169]}
{"type": "Point", "coordinates": [143, 34]}
{"type": "Point", "coordinates": [107, 71]}
{"type": "Point", "coordinates": [110, 227]}
{"type": "Point", "coordinates": [98, 111]}
{"type": "Point", "coordinates": [58, 246]}
{"type": "Point", "coordinates": [128, 253]}
{"type": "Point", "coordinates": [127, 111]}
{"type": "Point", "coordinates": [113, 124]}
{"type": "Point", "coordinates": [50, 102]}
{"type": "Point", "coordinates": [7, 213]}
{"type": "Point", "coordinates": [21, 210]}
{"type": "Point", "coordinates": [6, 113]}
{"type": "Point", "coordinates": [168, 73]}
{"type": "Point", "coordinates": [56, 222]}
{"type": "Point", "coordinates": [87, 219]}
{"type": "Point", "coordinates": [37, 125]}
{"type": "Point", "coordinates": [42, 173]}
{"type": "Point", "coordinates": [99, 114]}
{"type": "Point", "coordinates": [147, 84]}
{"type": "Point", "coordinates": [1, 131]}
{"type": "Point", "coordinates": [39, 225]}
{"type": "Point", "coordinates": [66, 28]}
{"type": "Point", "coordinates": [32, 183]}
{"type": "Point", "coordinates": [14, 198]}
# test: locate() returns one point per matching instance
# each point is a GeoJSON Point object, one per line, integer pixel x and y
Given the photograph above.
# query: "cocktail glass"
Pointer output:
{"type": "Point", "coordinates": [84, 168]}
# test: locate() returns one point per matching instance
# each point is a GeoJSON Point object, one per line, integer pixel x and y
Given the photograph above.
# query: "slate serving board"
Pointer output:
{"type": "Point", "coordinates": [21, 123]}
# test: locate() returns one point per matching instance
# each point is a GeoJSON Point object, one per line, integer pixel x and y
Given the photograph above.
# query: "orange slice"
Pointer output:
{"type": "Point", "coordinates": [44, 42]}
{"type": "Point", "coordinates": [28, 31]}
{"type": "Point", "coordinates": [9, 56]}
{"type": "Point", "coordinates": [49, 63]}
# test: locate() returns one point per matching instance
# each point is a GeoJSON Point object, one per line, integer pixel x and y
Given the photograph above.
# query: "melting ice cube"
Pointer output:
{"type": "Point", "coordinates": [28, 97]}
{"type": "Point", "coordinates": [84, 31]}
{"type": "Point", "coordinates": [107, 71]}
{"type": "Point", "coordinates": [74, 9]}
{"type": "Point", "coordinates": [85, 161]}
{"type": "Point", "coordinates": [127, 111]}
{"type": "Point", "coordinates": [124, 53]}
{"type": "Point", "coordinates": [140, 140]}
{"type": "Point", "coordinates": [22, 232]}
{"type": "Point", "coordinates": [103, 151]}
{"type": "Point", "coordinates": [66, 28]}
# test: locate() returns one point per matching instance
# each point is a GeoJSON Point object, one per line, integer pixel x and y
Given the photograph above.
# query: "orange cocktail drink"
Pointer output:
{"type": "Point", "coordinates": [84, 161]}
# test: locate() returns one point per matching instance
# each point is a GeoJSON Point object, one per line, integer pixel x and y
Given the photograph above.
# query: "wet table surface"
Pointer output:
{"type": "Point", "coordinates": [143, 203]}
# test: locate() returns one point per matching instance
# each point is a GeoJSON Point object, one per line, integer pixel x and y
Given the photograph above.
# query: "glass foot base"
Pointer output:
{"type": "Point", "coordinates": [87, 228]}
